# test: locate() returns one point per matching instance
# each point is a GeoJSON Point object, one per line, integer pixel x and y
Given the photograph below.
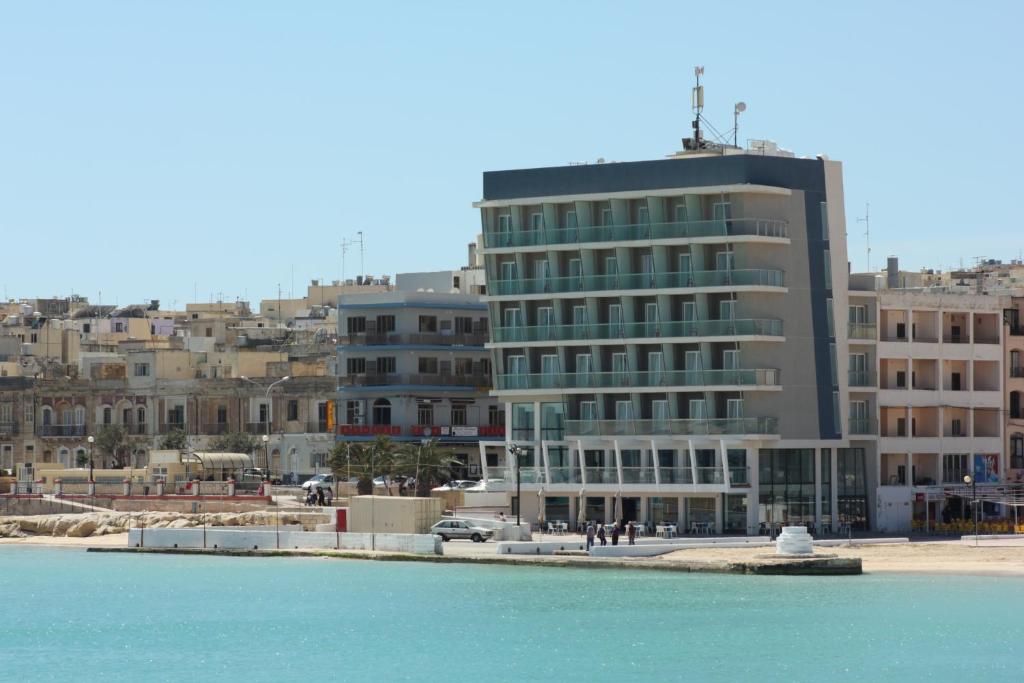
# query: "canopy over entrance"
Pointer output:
{"type": "Point", "coordinates": [218, 461]}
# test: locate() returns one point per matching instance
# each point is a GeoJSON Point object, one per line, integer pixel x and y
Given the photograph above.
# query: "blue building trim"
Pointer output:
{"type": "Point", "coordinates": [409, 304]}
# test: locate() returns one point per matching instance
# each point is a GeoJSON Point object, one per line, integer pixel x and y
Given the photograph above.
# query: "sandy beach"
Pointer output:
{"type": "Point", "coordinates": [1003, 557]}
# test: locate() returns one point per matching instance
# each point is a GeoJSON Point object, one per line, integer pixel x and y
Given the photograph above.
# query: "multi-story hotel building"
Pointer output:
{"type": "Point", "coordinates": [412, 365]}
{"type": "Point", "coordinates": [664, 337]}
{"type": "Point", "coordinates": [1013, 407]}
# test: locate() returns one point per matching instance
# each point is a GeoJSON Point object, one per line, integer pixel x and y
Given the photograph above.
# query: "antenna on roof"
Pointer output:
{"type": "Point", "coordinates": [736, 111]}
{"type": "Point", "coordinates": [866, 220]}
{"type": "Point", "coordinates": [698, 105]}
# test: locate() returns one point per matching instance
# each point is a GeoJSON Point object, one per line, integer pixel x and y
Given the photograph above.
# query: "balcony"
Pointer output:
{"type": "Point", "coordinates": [764, 377]}
{"type": "Point", "coordinates": [748, 227]}
{"type": "Point", "coordinates": [135, 429]}
{"type": "Point", "coordinates": [8, 428]}
{"type": "Point", "coordinates": [417, 338]}
{"type": "Point", "coordinates": [62, 430]}
{"type": "Point", "coordinates": [174, 425]}
{"type": "Point", "coordinates": [216, 428]}
{"type": "Point", "coordinates": [862, 378]}
{"type": "Point", "coordinates": [564, 475]}
{"type": "Point", "coordinates": [691, 328]}
{"type": "Point", "coordinates": [863, 426]}
{"type": "Point", "coordinates": [638, 281]}
{"type": "Point", "coordinates": [712, 427]}
{"type": "Point", "coordinates": [862, 332]}
{"type": "Point", "coordinates": [416, 379]}
{"type": "Point", "coordinates": [257, 428]}
{"type": "Point", "coordinates": [955, 339]}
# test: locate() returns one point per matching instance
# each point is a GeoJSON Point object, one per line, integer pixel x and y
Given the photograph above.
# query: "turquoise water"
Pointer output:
{"type": "Point", "coordinates": [67, 614]}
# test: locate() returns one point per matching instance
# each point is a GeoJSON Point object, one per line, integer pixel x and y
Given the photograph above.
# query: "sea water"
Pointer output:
{"type": "Point", "coordinates": [72, 615]}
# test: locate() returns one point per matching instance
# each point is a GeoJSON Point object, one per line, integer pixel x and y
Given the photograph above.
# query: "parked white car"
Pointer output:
{"type": "Point", "coordinates": [324, 481]}
{"type": "Point", "coordinates": [456, 485]}
{"type": "Point", "coordinates": [488, 485]}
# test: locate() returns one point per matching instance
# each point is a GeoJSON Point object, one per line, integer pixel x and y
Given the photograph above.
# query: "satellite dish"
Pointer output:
{"type": "Point", "coordinates": [741, 107]}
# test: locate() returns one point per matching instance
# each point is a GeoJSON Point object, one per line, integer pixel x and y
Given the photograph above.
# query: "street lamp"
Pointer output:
{"type": "Point", "coordinates": [973, 483]}
{"type": "Point", "coordinates": [517, 453]}
{"type": "Point", "coordinates": [91, 441]}
{"type": "Point", "coordinates": [266, 456]}
{"type": "Point", "coordinates": [266, 436]}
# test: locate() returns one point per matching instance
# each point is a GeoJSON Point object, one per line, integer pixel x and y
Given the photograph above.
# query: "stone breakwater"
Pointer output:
{"type": "Point", "coordinates": [102, 523]}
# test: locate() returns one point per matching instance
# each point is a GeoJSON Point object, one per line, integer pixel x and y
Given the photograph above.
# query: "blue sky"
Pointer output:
{"type": "Point", "coordinates": [150, 150]}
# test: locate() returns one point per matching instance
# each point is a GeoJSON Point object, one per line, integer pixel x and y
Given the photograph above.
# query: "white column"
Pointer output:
{"type": "Point", "coordinates": [656, 465]}
{"type": "Point", "coordinates": [834, 489]}
{"type": "Point", "coordinates": [753, 496]}
{"type": "Point", "coordinates": [719, 514]}
{"type": "Point", "coordinates": [618, 461]}
{"type": "Point", "coordinates": [817, 489]}
{"type": "Point", "coordinates": [724, 455]}
{"type": "Point", "coordinates": [693, 460]}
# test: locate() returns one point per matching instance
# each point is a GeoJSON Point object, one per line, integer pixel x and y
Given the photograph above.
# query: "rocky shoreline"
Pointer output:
{"type": "Point", "coordinates": [87, 524]}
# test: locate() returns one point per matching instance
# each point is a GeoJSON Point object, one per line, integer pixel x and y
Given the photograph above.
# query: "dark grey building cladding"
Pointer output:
{"type": "Point", "coordinates": [661, 174]}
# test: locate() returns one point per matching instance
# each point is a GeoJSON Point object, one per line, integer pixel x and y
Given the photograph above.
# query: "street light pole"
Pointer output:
{"type": "Point", "coordinates": [516, 452]}
{"type": "Point", "coordinates": [266, 434]}
{"type": "Point", "coordinates": [91, 441]}
{"type": "Point", "coordinates": [968, 479]}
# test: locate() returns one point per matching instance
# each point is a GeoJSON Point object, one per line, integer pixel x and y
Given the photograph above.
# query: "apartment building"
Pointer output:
{"type": "Point", "coordinates": [412, 365]}
{"type": "Point", "coordinates": [664, 338]}
{"type": "Point", "coordinates": [1013, 403]}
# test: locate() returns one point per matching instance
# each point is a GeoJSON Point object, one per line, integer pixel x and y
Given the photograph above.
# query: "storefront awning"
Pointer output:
{"type": "Point", "coordinates": [219, 461]}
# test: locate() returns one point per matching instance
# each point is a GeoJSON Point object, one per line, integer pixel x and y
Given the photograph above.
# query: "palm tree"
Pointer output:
{"type": "Point", "coordinates": [431, 462]}
{"type": "Point", "coordinates": [362, 459]}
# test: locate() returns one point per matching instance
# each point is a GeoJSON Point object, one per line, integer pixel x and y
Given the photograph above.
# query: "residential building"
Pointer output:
{"type": "Point", "coordinates": [663, 335]}
{"type": "Point", "coordinates": [412, 365]}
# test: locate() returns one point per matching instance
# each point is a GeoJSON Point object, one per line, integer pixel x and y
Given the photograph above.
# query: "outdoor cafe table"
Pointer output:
{"type": "Point", "coordinates": [666, 530]}
{"type": "Point", "coordinates": [700, 527]}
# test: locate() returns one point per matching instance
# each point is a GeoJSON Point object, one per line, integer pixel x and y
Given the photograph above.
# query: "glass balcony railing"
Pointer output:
{"type": "Point", "coordinates": [689, 328]}
{"type": "Point", "coordinates": [676, 475]}
{"type": "Point", "coordinates": [602, 475]}
{"type": "Point", "coordinates": [743, 425]}
{"type": "Point", "coordinates": [739, 476]}
{"type": "Point", "coordinates": [710, 475]}
{"type": "Point", "coordinates": [602, 380]}
{"type": "Point", "coordinates": [861, 378]}
{"type": "Point", "coordinates": [751, 227]}
{"type": "Point", "coordinates": [564, 475]}
{"type": "Point", "coordinates": [863, 426]}
{"type": "Point", "coordinates": [862, 331]}
{"type": "Point", "coordinates": [626, 281]}
{"type": "Point", "coordinates": [637, 475]}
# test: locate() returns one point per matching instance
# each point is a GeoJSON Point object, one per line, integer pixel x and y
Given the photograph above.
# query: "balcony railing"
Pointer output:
{"type": "Point", "coordinates": [752, 227]}
{"type": "Point", "coordinates": [626, 379]}
{"type": "Point", "coordinates": [861, 378]}
{"type": "Point", "coordinates": [956, 339]}
{"type": "Point", "coordinates": [564, 475]}
{"type": "Point", "coordinates": [690, 328]}
{"type": "Point", "coordinates": [216, 428]}
{"type": "Point", "coordinates": [863, 426]}
{"type": "Point", "coordinates": [419, 338]}
{"type": "Point", "coordinates": [762, 277]}
{"type": "Point", "coordinates": [166, 427]}
{"type": "Point", "coordinates": [61, 430]}
{"type": "Point", "coordinates": [257, 428]}
{"type": "Point", "coordinates": [863, 331]}
{"type": "Point", "coordinates": [1014, 372]}
{"type": "Point", "coordinates": [8, 428]}
{"type": "Point", "coordinates": [713, 427]}
{"type": "Point", "coordinates": [419, 379]}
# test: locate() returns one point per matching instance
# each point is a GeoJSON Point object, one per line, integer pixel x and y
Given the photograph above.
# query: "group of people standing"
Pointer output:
{"type": "Point", "coordinates": [598, 532]}
{"type": "Point", "coordinates": [319, 497]}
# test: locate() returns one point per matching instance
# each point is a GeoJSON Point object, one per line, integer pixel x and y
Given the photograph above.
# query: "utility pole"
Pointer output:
{"type": "Point", "coordinates": [866, 220]}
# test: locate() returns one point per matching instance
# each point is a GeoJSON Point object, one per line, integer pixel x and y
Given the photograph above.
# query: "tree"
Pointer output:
{"type": "Point", "coordinates": [174, 440]}
{"type": "Point", "coordinates": [430, 463]}
{"type": "Point", "coordinates": [112, 442]}
{"type": "Point", "coordinates": [234, 442]}
{"type": "Point", "coordinates": [363, 460]}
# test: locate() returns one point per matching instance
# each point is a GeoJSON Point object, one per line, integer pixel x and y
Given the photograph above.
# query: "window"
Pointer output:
{"type": "Point", "coordinates": [828, 268]}
{"type": "Point", "coordinates": [34, 338]}
{"type": "Point", "coordinates": [956, 427]}
{"type": "Point", "coordinates": [386, 365]}
{"type": "Point", "coordinates": [385, 323]}
{"type": "Point", "coordinates": [29, 416]}
{"type": "Point", "coordinates": [427, 366]}
{"type": "Point", "coordinates": [858, 314]}
{"type": "Point", "coordinates": [698, 409]}
{"type": "Point", "coordinates": [606, 217]}
{"type": "Point", "coordinates": [824, 221]}
{"type": "Point", "coordinates": [6, 413]}
{"type": "Point", "coordinates": [1017, 451]}
{"type": "Point", "coordinates": [954, 467]}
{"type": "Point", "coordinates": [508, 270]}
{"type": "Point", "coordinates": [428, 323]}
{"type": "Point", "coordinates": [722, 211]}
{"type": "Point", "coordinates": [505, 223]}
{"type": "Point", "coordinates": [901, 379]}
{"type": "Point", "coordinates": [382, 412]}
{"type": "Point", "coordinates": [354, 412]}
{"type": "Point", "coordinates": [588, 411]}
{"type": "Point", "coordinates": [734, 408]}
{"type": "Point", "coordinates": [731, 359]}
{"type": "Point", "coordinates": [725, 260]}
{"type": "Point", "coordinates": [293, 410]}
{"type": "Point", "coordinates": [356, 324]}
{"type": "Point", "coordinates": [79, 415]}
{"type": "Point", "coordinates": [727, 309]}
{"type": "Point", "coordinates": [830, 318]}
{"type": "Point", "coordinates": [536, 221]}
{"type": "Point", "coordinates": [108, 415]}
{"type": "Point", "coordinates": [680, 213]}
{"type": "Point", "coordinates": [459, 414]}
{"type": "Point", "coordinates": [571, 220]}
{"type": "Point", "coordinates": [141, 370]}
{"type": "Point", "coordinates": [463, 325]}
{"type": "Point", "coordinates": [1015, 412]}
{"type": "Point", "coordinates": [496, 416]}
{"type": "Point", "coordinates": [425, 414]}
{"type": "Point", "coordinates": [355, 366]}
{"type": "Point", "coordinates": [463, 366]}
{"type": "Point", "coordinates": [118, 327]}
{"type": "Point", "coordinates": [901, 331]}
{"type": "Point", "coordinates": [86, 328]}
{"type": "Point", "coordinates": [513, 317]}
{"type": "Point", "coordinates": [222, 415]}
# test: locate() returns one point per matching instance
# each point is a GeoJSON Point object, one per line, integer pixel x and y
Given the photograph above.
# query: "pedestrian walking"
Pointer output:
{"type": "Point", "coordinates": [601, 535]}
{"type": "Point", "coordinates": [590, 536]}
{"type": "Point", "coordinates": [631, 532]}
{"type": "Point", "coordinates": [615, 534]}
